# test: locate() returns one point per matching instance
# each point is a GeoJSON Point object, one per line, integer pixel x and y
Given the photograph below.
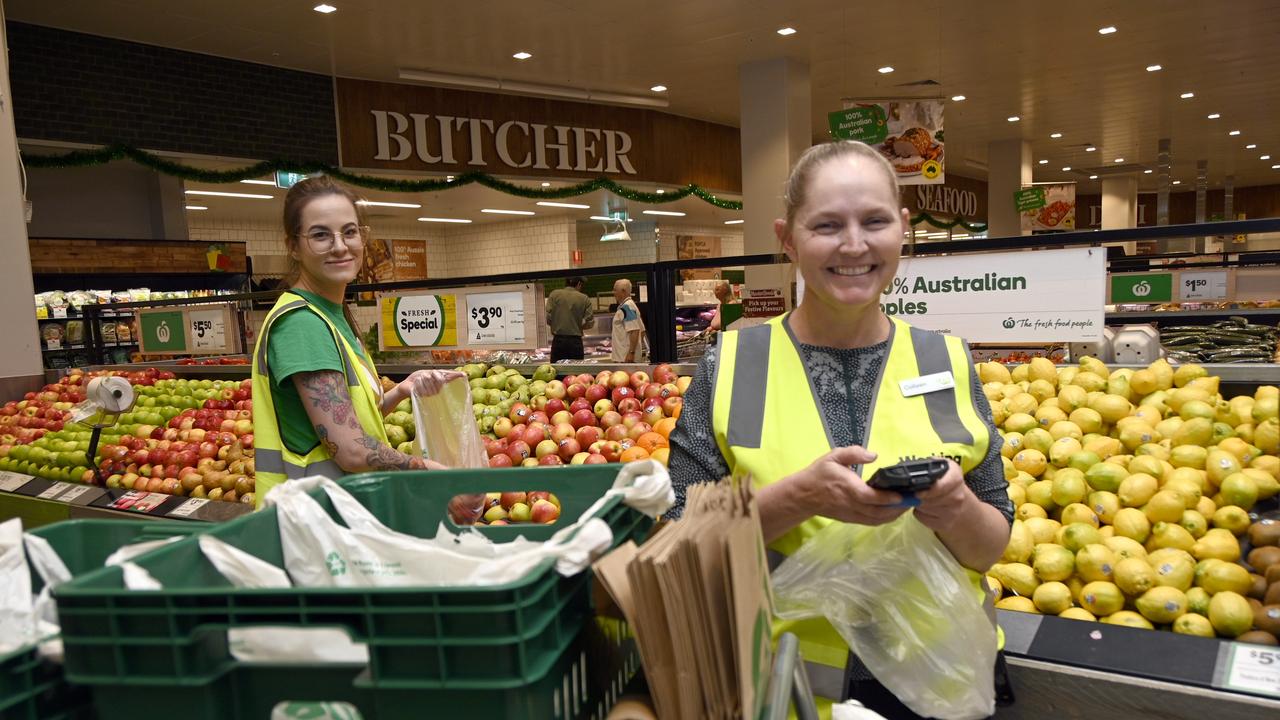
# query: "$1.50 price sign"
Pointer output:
{"type": "Point", "coordinates": [1254, 668]}
{"type": "Point", "coordinates": [496, 318]}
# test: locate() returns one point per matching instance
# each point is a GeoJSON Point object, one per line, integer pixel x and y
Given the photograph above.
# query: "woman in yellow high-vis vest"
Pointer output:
{"type": "Point", "coordinates": [318, 401]}
{"type": "Point", "coordinates": [810, 403]}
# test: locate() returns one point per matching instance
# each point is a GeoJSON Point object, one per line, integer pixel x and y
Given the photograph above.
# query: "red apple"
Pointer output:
{"type": "Point", "coordinates": [579, 404]}
{"type": "Point", "coordinates": [595, 459]}
{"type": "Point", "coordinates": [584, 417]}
{"type": "Point", "coordinates": [518, 451]}
{"type": "Point", "coordinates": [580, 458]}
{"type": "Point", "coordinates": [653, 414]}
{"type": "Point", "coordinates": [561, 418]}
{"type": "Point", "coordinates": [555, 390]}
{"type": "Point", "coordinates": [535, 434]}
{"type": "Point", "coordinates": [502, 426]}
{"type": "Point", "coordinates": [158, 433]}
{"type": "Point", "coordinates": [519, 413]}
{"type": "Point", "coordinates": [498, 461]}
{"type": "Point", "coordinates": [544, 448]}
{"type": "Point", "coordinates": [568, 448]}
{"type": "Point", "coordinates": [596, 393]}
{"type": "Point", "coordinates": [575, 391]}
{"type": "Point", "coordinates": [671, 405]}
{"type": "Point", "coordinates": [619, 378]}
{"type": "Point", "coordinates": [602, 406]}
{"type": "Point", "coordinates": [610, 449]}
{"type": "Point", "coordinates": [670, 390]}
{"type": "Point", "coordinates": [226, 426]}
{"type": "Point", "coordinates": [602, 377]}
{"type": "Point", "coordinates": [588, 434]}
{"type": "Point", "coordinates": [639, 429]}
{"type": "Point", "coordinates": [246, 441]}
{"type": "Point", "coordinates": [550, 460]}
{"type": "Point", "coordinates": [639, 379]}
{"type": "Point", "coordinates": [664, 374]}
{"type": "Point", "coordinates": [629, 404]}
{"type": "Point", "coordinates": [616, 432]}
{"type": "Point", "coordinates": [554, 405]}
{"type": "Point", "coordinates": [558, 433]}
{"type": "Point", "coordinates": [538, 402]}
{"type": "Point", "coordinates": [538, 416]}
{"type": "Point", "coordinates": [207, 450]}
{"type": "Point", "coordinates": [507, 499]}
{"type": "Point", "coordinates": [610, 418]}
{"type": "Point", "coordinates": [544, 512]}
{"type": "Point", "coordinates": [629, 419]}
{"type": "Point", "coordinates": [621, 393]}
{"type": "Point", "coordinates": [517, 432]}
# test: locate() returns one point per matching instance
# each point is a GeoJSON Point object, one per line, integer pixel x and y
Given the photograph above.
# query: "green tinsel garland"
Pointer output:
{"type": "Point", "coordinates": [942, 225]}
{"type": "Point", "coordinates": [85, 158]}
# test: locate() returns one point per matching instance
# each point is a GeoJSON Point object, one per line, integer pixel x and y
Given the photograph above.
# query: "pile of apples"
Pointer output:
{"type": "Point", "coordinates": [39, 413]}
{"type": "Point", "coordinates": [538, 507]}
{"type": "Point", "coordinates": [613, 416]}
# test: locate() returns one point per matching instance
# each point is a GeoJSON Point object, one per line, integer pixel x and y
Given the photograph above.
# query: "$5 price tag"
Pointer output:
{"type": "Point", "coordinates": [1254, 669]}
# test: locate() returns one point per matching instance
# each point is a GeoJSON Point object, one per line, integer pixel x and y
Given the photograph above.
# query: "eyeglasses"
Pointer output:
{"type": "Point", "coordinates": [324, 241]}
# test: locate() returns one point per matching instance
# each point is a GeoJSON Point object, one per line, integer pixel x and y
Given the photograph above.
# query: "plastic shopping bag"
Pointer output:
{"type": "Point", "coordinates": [905, 606]}
{"type": "Point", "coordinates": [446, 427]}
{"type": "Point", "coordinates": [18, 622]}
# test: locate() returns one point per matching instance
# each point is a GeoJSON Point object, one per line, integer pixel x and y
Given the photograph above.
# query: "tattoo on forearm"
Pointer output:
{"type": "Point", "coordinates": [330, 446]}
{"type": "Point", "coordinates": [382, 457]}
{"type": "Point", "coordinates": [328, 393]}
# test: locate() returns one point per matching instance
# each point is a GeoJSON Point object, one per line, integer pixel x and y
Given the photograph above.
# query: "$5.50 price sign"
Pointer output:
{"type": "Point", "coordinates": [208, 329]}
{"type": "Point", "coordinates": [496, 318]}
{"type": "Point", "coordinates": [1254, 668]}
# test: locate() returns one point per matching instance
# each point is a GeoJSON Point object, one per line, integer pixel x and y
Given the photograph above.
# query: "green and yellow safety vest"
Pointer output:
{"type": "Point", "coordinates": [768, 425]}
{"type": "Point", "coordinates": [276, 463]}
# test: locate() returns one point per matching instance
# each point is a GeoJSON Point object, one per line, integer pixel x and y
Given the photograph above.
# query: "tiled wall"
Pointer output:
{"type": "Point", "coordinates": [497, 248]}
{"type": "Point", "coordinates": [266, 238]}
{"type": "Point", "coordinates": [641, 249]}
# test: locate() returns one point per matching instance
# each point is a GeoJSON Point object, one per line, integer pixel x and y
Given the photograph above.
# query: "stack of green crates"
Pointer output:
{"type": "Point", "coordinates": [516, 650]}
{"type": "Point", "coordinates": [34, 689]}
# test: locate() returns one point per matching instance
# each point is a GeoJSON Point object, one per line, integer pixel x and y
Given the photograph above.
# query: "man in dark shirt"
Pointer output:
{"type": "Point", "coordinates": [568, 314]}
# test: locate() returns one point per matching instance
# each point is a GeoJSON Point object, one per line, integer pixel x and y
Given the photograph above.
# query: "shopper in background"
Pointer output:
{"type": "Point", "coordinates": [318, 402]}
{"type": "Point", "coordinates": [568, 314]}
{"type": "Point", "coordinates": [629, 342]}
{"type": "Point", "coordinates": [811, 402]}
{"type": "Point", "coordinates": [723, 293]}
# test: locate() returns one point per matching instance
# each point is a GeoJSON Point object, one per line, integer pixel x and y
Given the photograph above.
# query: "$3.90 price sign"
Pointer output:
{"type": "Point", "coordinates": [496, 318]}
{"type": "Point", "coordinates": [1254, 668]}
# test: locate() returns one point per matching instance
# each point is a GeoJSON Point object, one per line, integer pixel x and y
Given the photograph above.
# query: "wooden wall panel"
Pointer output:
{"type": "Point", "coordinates": [56, 256]}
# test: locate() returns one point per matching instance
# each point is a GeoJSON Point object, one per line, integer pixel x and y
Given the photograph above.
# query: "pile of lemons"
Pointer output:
{"type": "Point", "coordinates": [1131, 491]}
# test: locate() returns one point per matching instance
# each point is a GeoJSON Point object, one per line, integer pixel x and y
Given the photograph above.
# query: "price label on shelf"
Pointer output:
{"type": "Point", "coordinates": [54, 491]}
{"type": "Point", "coordinates": [75, 492]}
{"type": "Point", "coordinates": [188, 507]}
{"type": "Point", "coordinates": [208, 330]}
{"type": "Point", "coordinates": [1254, 668]}
{"type": "Point", "coordinates": [54, 343]}
{"type": "Point", "coordinates": [496, 318]}
{"type": "Point", "coordinates": [59, 312]}
{"type": "Point", "coordinates": [11, 481]}
{"type": "Point", "coordinates": [1207, 285]}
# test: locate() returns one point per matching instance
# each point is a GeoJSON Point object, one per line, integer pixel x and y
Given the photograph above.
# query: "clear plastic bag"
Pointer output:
{"type": "Point", "coordinates": [446, 426]}
{"type": "Point", "coordinates": [905, 606]}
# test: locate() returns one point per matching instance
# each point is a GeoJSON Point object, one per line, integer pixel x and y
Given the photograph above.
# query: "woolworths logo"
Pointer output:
{"type": "Point", "coordinates": [1147, 287]}
{"type": "Point", "coordinates": [1009, 323]}
{"type": "Point", "coordinates": [1142, 289]}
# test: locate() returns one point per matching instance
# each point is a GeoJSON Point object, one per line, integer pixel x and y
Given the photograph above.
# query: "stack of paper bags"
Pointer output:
{"type": "Point", "coordinates": [698, 599]}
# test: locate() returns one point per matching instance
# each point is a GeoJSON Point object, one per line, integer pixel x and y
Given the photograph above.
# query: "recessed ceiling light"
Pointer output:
{"type": "Point", "coordinates": [444, 220]}
{"type": "Point", "coordinates": [957, 98]}
{"type": "Point", "coordinates": [1090, 149]}
{"type": "Point", "coordinates": [1044, 162]}
{"type": "Point", "coordinates": [1013, 118]}
{"type": "Point", "coordinates": [659, 88]}
{"type": "Point", "coordinates": [197, 207]}
{"type": "Point", "coordinates": [672, 213]}
{"type": "Point", "coordinates": [787, 31]}
{"type": "Point", "coordinates": [494, 211]}
{"type": "Point", "coordinates": [1251, 146]}
{"type": "Point", "coordinates": [660, 191]}
{"type": "Point", "coordinates": [1119, 160]}
{"type": "Point", "coordinates": [564, 205]}
{"type": "Point", "coordinates": [326, 9]}
{"type": "Point", "coordinates": [1177, 182]}
{"type": "Point", "coordinates": [259, 182]}
{"type": "Point", "coordinates": [1146, 172]}
{"type": "Point", "coordinates": [1213, 116]}
{"type": "Point", "coordinates": [1055, 136]}
{"type": "Point", "coordinates": [733, 222]}
{"type": "Point", "coordinates": [1187, 95]}
{"type": "Point", "coordinates": [1066, 169]}
{"type": "Point", "coordinates": [1264, 157]}
{"type": "Point", "coordinates": [374, 203]}
{"type": "Point", "coordinates": [1093, 177]}
{"type": "Point", "coordinates": [546, 184]}
{"type": "Point", "coordinates": [448, 178]}
{"type": "Point", "coordinates": [1107, 30]}
{"type": "Point", "coordinates": [1234, 132]}
{"type": "Point", "coordinates": [1275, 167]}
{"type": "Point", "coordinates": [884, 70]}
{"type": "Point", "coordinates": [230, 194]}
{"type": "Point", "coordinates": [522, 55]}
{"type": "Point", "coordinates": [1153, 68]}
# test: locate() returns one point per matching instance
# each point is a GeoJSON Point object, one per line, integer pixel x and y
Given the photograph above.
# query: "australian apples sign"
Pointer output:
{"type": "Point", "coordinates": [1041, 296]}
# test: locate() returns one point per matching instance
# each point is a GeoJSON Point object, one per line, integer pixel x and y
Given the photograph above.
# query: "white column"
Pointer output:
{"type": "Point", "coordinates": [1120, 207]}
{"type": "Point", "coordinates": [1008, 170]}
{"type": "Point", "coordinates": [776, 129]}
{"type": "Point", "coordinates": [20, 365]}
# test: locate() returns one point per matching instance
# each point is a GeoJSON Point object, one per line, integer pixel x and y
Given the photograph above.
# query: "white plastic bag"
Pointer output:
{"type": "Point", "coordinates": [905, 606]}
{"type": "Point", "coordinates": [18, 622]}
{"type": "Point", "coordinates": [446, 427]}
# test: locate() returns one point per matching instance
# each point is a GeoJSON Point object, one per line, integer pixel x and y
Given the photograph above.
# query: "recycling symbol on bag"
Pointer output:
{"type": "Point", "coordinates": [337, 566]}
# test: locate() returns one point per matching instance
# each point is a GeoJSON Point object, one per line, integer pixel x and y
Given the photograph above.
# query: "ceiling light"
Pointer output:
{"type": "Point", "coordinates": [1013, 118]}
{"type": "Point", "coordinates": [787, 31]}
{"type": "Point", "coordinates": [1275, 167]}
{"type": "Point", "coordinates": [1055, 136]}
{"type": "Point", "coordinates": [564, 205]}
{"type": "Point", "coordinates": [1044, 162]}
{"type": "Point", "coordinates": [606, 218]}
{"type": "Point", "coordinates": [1119, 160]}
{"type": "Point", "coordinates": [1187, 95]}
{"type": "Point", "coordinates": [1213, 116]}
{"type": "Point", "coordinates": [957, 98]}
{"type": "Point", "coordinates": [659, 88]}
{"type": "Point", "coordinates": [444, 220]}
{"type": "Point", "coordinates": [1234, 132]}
{"type": "Point", "coordinates": [230, 194]}
{"type": "Point", "coordinates": [1066, 169]}
{"type": "Point", "coordinates": [1250, 146]}
{"type": "Point", "coordinates": [1177, 182]}
{"type": "Point", "coordinates": [1153, 68]}
{"type": "Point", "coordinates": [546, 184]}
{"type": "Point", "coordinates": [375, 203]}
{"type": "Point", "coordinates": [494, 211]}
{"type": "Point", "coordinates": [522, 55]}
{"type": "Point", "coordinates": [326, 9]}
{"type": "Point", "coordinates": [513, 87]}
{"type": "Point", "coordinates": [733, 222]}
{"type": "Point", "coordinates": [448, 178]}
{"type": "Point", "coordinates": [884, 70]}
{"type": "Point", "coordinates": [1090, 148]}
{"type": "Point", "coordinates": [197, 207]}
{"type": "Point", "coordinates": [672, 213]}
{"type": "Point", "coordinates": [1264, 157]}
{"type": "Point", "coordinates": [660, 191]}
{"type": "Point", "coordinates": [1147, 172]}
{"type": "Point", "coordinates": [1093, 177]}
{"type": "Point", "coordinates": [1107, 30]}
{"type": "Point", "coordinates": [272, 183]}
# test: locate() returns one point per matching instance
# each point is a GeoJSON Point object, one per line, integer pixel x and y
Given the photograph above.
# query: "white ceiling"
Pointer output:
{"type": "Point", "coordinates": [1042, 61]}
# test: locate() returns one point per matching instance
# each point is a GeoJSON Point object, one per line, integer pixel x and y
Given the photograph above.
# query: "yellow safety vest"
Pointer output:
{"type": "Point", "coordinates": [276, 463]}
{"type": "Point", "coordinates": [768, 425]}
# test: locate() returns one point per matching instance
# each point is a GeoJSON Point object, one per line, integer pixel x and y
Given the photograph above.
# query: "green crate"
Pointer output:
{"type": "Point", "coordinates": [422, 642]}
{"type": "Point", "coordinates": [32, 688]}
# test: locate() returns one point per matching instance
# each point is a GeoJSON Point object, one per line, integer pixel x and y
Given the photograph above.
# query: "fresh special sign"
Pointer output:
{"type": "Point", "coordinates": [409, 321]}
{"type": "Point", "coordinates": [1038, 296]}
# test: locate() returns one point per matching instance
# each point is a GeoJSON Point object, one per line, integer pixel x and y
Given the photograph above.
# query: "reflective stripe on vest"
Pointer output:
{"type": "Point", "coordinates": [274, 462]}
{"type": "Point", "coordinates": [768, 425]}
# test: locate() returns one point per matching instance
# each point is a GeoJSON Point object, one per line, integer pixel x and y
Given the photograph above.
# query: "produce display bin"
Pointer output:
{"type": "Point", "coordinates": [31, 687]}
{"type": "Point", "coordinates": [427, 647]}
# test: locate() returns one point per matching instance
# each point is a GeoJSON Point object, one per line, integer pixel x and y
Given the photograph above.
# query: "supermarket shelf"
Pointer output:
{"type": "Point", "coordinates": [64, 348]}
{"type": "Point", "coordinates": [1149, 316]}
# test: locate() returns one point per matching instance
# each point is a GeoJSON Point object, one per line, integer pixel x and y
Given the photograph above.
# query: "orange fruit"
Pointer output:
{"type": "Point", "coordinates": [676, 415]}
{"type": "Point", "coordinates": [661, 455]}
{"type": "Point", "coordinates": [651, 441]}
{"type": "Point", "coordinates": [632, 454]}
{"type": "Point", "coordinates": [665, 426]}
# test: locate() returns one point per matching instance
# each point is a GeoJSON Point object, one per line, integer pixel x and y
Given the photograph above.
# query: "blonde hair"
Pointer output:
{"type": "Point", "coordinates": [797, 186]}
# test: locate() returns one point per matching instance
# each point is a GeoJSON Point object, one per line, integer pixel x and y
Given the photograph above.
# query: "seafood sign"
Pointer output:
{"type": "Point", "coordinates": [908, 133]}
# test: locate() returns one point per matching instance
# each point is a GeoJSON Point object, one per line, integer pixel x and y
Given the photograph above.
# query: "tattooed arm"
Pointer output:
{"type": "Point", "coordinates": [328, 404]}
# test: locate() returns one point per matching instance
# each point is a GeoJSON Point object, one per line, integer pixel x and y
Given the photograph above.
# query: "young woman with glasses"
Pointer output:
{"type": "Point", "coordinates": [318, 401]}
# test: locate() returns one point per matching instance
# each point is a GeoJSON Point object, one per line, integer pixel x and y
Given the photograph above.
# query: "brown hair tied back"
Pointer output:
{"type": "Point", "coordinates": [295, 201]}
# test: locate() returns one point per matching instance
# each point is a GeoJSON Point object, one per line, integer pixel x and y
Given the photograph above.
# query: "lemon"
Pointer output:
{"type": "Point", "coordinates": [1048, 415]}
{"type": "Point", "coordinates": [1041, 493]}
{"type": "Point", "coordinates": [1134, 576]}
{"type": "Point", "coordinates": [1037, 438]}
{"type": "Point", "coordinates": [1218, 544]}
{"type": "Point", "coordinates": [1105, 447]}
{"type": "Point", "coordinates": [1062, 449]}
{"type": "Point", "coordinates": [1091, 382]}
{"type": "Point", "coordinates": [1095, 366]}
{"type": "Point", "coordinates": [1163, 372]}
{"type": "Point", "coordinates": [1021, 604]}
{"type": "Point", "coordinates": [1268, 486]}
{"type": "Point", "coordinates": [1173, 568]}
{"type": "Point", "coordinates": [1206, 507]}
{"type": "Point", "coordinates": [1030, 461]}
{"type": "Point", "coordinates": [1155, 450]}
{"type": "Point", "coordinates": [1225, 577]}
{"type": "Point", "coordinates": [1053, 562]}
{"type": "Point", "coordinates": [1192, 456]}
{"type": "Point", "coordinates": [1238, 489]}
{"type": "Point", "coordinates": [993, 372]}
{"type": "Point", "coordinates": [1012, 444]}
{"type": "Point", "coordinates": [1107, 476]}
{"type": "Point", "coordinates": [1017, 494]}
{"type": "Point", "coordinates": [1162, 605]}
{"type": "Point", "coordinates": [1144, 382]}
{"type": "Point", "coordinates": [1077, 535]}
{"type": "Point", "coordinates": [1147, 464]}
{"type": "Point", "coordinates": [1020, 422]}
{"type": "Point", "coordinates": [1052, 598]}
{"type": "Point", "coordinates": [1043, 530]}
{"type": "Point", "coordinates": [1193, 624]}
{"type": "Point", "coordinates": [1137, 489]}
{"type": "Point", "coordinates": [1232, 518]}
{"type": "Point", "coordinates": [1165, 506]}
{"type": "Point", "coordinates": [1128, 618]}
{"type": "Point", "coordinates": [1101, 598]}
{"type": "Point", "coordinates": [1077, 613]}
{"type": "Point", "coordinates": [1196, 431]}
{"type": "Point", "coordinates": [1017, 577]}
{"type": "Point", "coordinates": [1084, 460]}
{"type": "Point", "coordinates": [1042, 370]}
{"type": "Point", "coordinates": [1197, 409]}
{"type": "Point", "coordinates": [1065, 429]}
{"type": "Point", "coordinates": [1195, 523]}
{"type": "Point", "coordinates": [1198, 601]}
{"type": "Point", "coordinates": [1030, 510]}
{"type": "Point", "coordinates": [1020, 544]}
{"type": "Point", "coordinates": [994, 587]}
{"type": "Point", "coordinates": [1111, 408]}
{"type": "Point", "coordinates": [1071, 397]}
{"type": "Point", "coordinates": [1125, 548]}
{"type": "Point", "coordinates": [1022, 403]}
{"type": "Point", "coordinates": [1132, 523]}
{"type": "Point", "coordinates": [1219, 465]}
{"type": "Point", "coordinates": [1105, 505]}
{"type": "Point", "coordinates": [1170, 535]}
{"type": "Point", "coordinates": [1188, 490]}
{"type": "Point", "coordinates": [1095, 562]}
{"type": "Point", "coordinates": [1230, 614]}
{"type": "Point", "coordinates": [1087, 419]}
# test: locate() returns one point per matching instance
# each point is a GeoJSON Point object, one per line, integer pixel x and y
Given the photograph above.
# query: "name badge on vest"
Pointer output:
{"type": "Point", "coordinates": [927, 384]}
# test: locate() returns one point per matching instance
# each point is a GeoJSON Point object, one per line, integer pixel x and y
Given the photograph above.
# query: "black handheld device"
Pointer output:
{"type": "Point", "coordinates": [909, 476]}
